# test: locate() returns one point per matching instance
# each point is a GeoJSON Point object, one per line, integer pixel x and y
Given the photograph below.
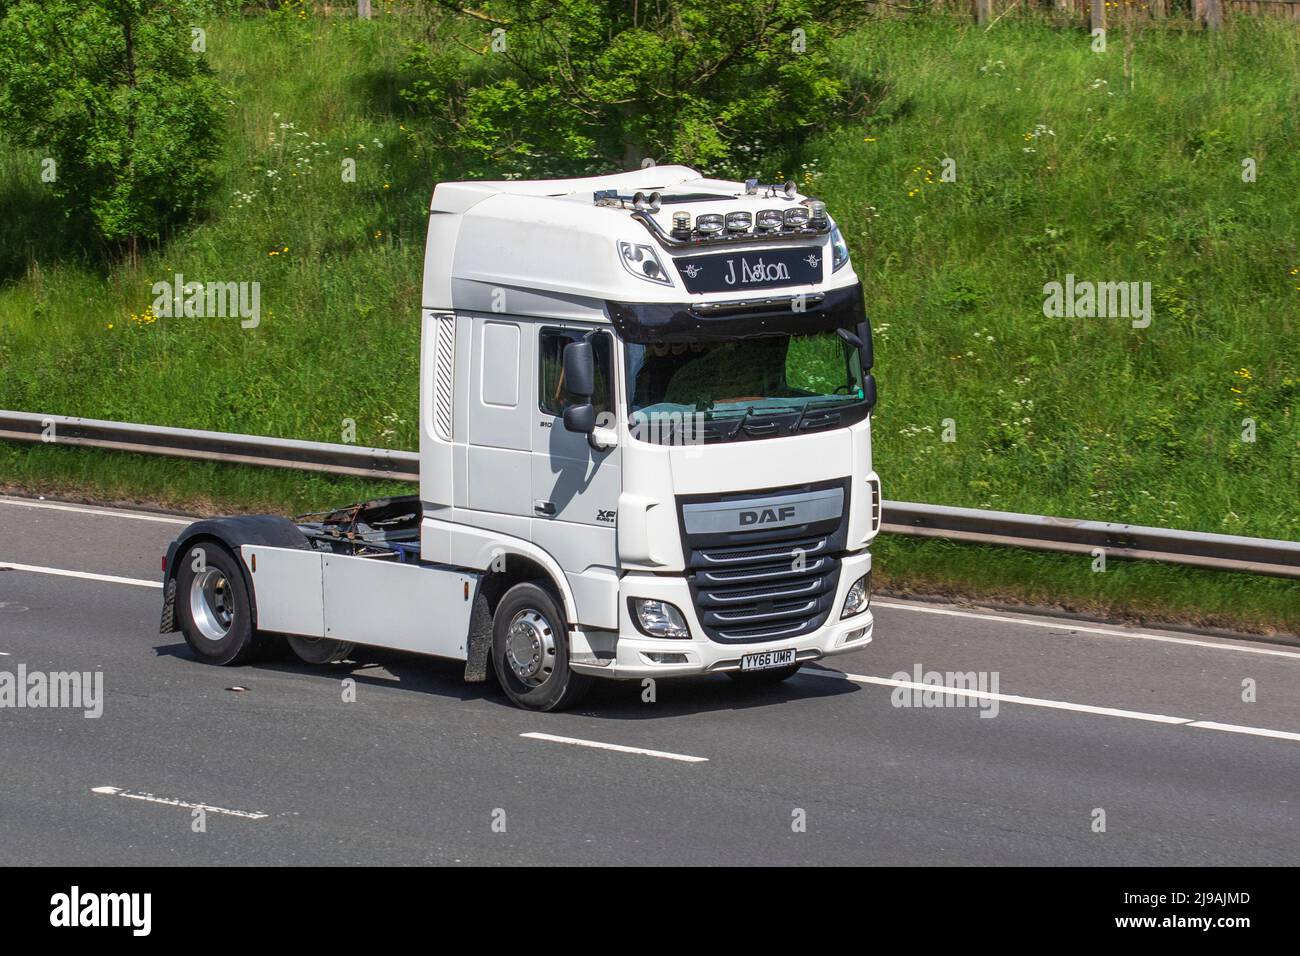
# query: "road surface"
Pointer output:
{"type": "Point", "coordinates": [1097, 744]}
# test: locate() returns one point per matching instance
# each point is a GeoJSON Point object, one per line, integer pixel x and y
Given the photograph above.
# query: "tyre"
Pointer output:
{"type": "Point", "coordinates": [530, 651]}
{"type": "Point", "coordinates": [760, 678]}
{"type": "Point", "coordinates": [319, 650]}
{"type": "Point", "coordinates": [213, 606]}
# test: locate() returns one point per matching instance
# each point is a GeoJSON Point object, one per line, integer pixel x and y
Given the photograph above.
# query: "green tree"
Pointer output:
{"type": "Point", "coordinates": [112, 92]}
{"type": "Point", "coordinates": [554, 87]}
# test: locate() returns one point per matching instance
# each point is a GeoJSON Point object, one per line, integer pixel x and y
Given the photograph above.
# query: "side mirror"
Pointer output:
{"type": "Point", "coordinates": [868, 349]}
{"type": "Point", "coordinates": [580, 370]}
{"type": "Point", "coordinates": [580, 418]}
{"type": "Point", "coordinates": [869, 391]}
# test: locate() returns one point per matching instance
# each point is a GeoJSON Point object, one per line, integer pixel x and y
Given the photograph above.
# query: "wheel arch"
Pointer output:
{"type": "Point", "coordinates": [232, 533]}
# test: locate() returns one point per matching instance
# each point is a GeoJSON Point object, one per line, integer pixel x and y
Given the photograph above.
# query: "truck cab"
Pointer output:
{"type": "Point", "coordinates": [645, 447]}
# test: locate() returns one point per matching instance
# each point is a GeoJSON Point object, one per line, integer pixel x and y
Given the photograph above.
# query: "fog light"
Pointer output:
{"type": "Point", "coordinates": [854, 635]}
{"type": "Point", "coordinates": [797, 217]}
{"type": "Point", "coordinates": [709, 223]}
{"type": "Point", "coordinates": [739, 221]}
{"type": "Point", "coordinates": [859, 597]}
{"type": "Point", "coordinates": [769, 219]}
{"type": "Point", "coordinates": [658, 618]}
{"type": "Point", "coordinates": [666, 658]}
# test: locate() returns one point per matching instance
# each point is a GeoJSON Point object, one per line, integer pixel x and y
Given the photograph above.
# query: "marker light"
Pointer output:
{"type": "Point", "coordinates": [640, 259]}
{"type": "Point", "coordinates": [709, 223]}
{"type": "Point", "coordinates": [797, 217]}
{"type": "Point", "coordinates": [769, 219]}
{"type": "Point", "coordinates": [739, 221]}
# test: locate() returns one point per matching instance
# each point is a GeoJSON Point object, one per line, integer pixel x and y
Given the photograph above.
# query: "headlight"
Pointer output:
{"type": "Point", "coordinates": [640, 259]}
{"type": "Point", "coordinates": [659, 618]}
{"type": "Point", "coordinates": [859, 597]}
{"type": "Point", "coordinates": [839, 250]}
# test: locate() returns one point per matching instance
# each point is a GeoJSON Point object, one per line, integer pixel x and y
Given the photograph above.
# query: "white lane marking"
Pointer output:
{"type": "Point", "coordinates": [1054, 623]}
{"type": "Point", "coordinates": [578, 741]}
{"type": "Point", "coordinates": [1238, 729]}
{"type": "Point", "coordinates": [1058, 624]}
{"type": "Point", "coordinates": [1055, 704]}
{"type": "Point", "coordinates": [177, 802]}
{"type": "Point", "coordinates": [86, 575]}
{"type": "Point", "coordinates": [133, 515]}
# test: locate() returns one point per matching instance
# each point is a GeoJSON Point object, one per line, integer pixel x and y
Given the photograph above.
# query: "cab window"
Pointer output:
{"type": "Point", "coordinates": [554, 398]}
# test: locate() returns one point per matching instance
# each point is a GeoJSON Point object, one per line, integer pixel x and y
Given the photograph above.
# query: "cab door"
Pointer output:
{"type": "Point", "coordinates": [575, 488]}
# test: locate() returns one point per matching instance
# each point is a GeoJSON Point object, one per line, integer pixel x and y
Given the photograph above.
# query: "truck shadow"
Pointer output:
{"type": "Point", "coordinates": [608, 700]}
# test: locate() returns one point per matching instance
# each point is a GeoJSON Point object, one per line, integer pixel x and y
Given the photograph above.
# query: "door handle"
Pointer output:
{"type": "Point", "coordinates": [543, 507]}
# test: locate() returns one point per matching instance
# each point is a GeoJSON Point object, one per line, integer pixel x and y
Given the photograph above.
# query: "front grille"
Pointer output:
{"type": "Point", "coordinates": [752, 586]}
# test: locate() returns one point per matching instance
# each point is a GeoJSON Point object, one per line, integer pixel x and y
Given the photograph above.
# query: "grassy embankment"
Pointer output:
{"type": "Point", "coordinates": [1064, 164]}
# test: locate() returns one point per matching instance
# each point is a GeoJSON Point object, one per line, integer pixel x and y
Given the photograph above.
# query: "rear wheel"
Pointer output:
{"type": "Point", "coordinates": [759, 678]}
{"type": "Point", "coordinates": [319, 650]}
{"type": "Point", "coordinates": [530, 651]}
{"type": "Point", "coordinates": [213, 607]}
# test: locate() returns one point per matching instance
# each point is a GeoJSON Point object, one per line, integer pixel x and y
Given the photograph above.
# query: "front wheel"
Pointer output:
{"type": "Point", "coordinates": [530, 651]}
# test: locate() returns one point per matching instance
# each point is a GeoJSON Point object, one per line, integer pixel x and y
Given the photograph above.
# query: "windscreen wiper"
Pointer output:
{"type": "Point", "coordinates": [824, 420]}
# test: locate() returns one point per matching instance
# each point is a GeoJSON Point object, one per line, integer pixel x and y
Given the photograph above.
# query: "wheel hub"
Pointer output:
{"type": "Point", "coordinates": [530, 647]}
{"type": "Point", "coordinates": [212, 605]}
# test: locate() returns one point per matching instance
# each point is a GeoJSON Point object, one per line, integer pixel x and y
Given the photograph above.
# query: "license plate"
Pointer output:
{"type": "Point", "coordinates": [737, 271]}
{"type": "Point", "coordinates": [764, 660]}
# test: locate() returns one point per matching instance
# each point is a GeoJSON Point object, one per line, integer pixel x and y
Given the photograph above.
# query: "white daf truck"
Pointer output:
{"type": "Point", "coordinates": [645, 451]}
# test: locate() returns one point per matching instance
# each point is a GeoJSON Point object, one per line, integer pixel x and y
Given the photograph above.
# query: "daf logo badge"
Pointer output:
{"type": "Point", "coordinates": [767, 515]}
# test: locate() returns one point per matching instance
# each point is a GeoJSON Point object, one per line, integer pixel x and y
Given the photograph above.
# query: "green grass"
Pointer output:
{"type": "Point", "coordinates": [1065, 163]}
{"type": "Point", "coordinates": [1137, 180]}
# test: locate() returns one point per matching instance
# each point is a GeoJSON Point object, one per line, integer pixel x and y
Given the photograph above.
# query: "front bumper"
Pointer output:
{"type": "Point", "coordinates": [634, 655]}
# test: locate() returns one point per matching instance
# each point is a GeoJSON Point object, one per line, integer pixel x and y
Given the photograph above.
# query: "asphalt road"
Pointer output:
{"type": "Point", "coordinates": [1144, 731]}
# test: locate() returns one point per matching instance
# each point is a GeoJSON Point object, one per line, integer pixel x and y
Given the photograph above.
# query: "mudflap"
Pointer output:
{"type": "Point", "coordinates": [479, 646]}
{"type": "Point", "coordinates": [168, 623]}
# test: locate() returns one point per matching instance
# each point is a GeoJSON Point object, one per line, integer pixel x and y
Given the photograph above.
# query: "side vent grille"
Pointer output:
{"type": "Point", "coordinates": [874, 482]}
{"type": "Point", "coordinates": [444, 357]}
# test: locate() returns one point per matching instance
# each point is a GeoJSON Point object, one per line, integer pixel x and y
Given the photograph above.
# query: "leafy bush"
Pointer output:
{"type": "Point", "coordinates": [113, 94]}
{"type": "Point", "coordinates": [558, 87]}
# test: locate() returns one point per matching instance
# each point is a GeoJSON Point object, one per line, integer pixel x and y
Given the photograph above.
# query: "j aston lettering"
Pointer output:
{"type": "Point", "coordinates": [749, 273]}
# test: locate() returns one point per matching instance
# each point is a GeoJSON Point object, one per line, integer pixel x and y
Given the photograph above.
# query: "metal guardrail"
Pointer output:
{"type": "Point", "coordinates": [1220, 552]}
